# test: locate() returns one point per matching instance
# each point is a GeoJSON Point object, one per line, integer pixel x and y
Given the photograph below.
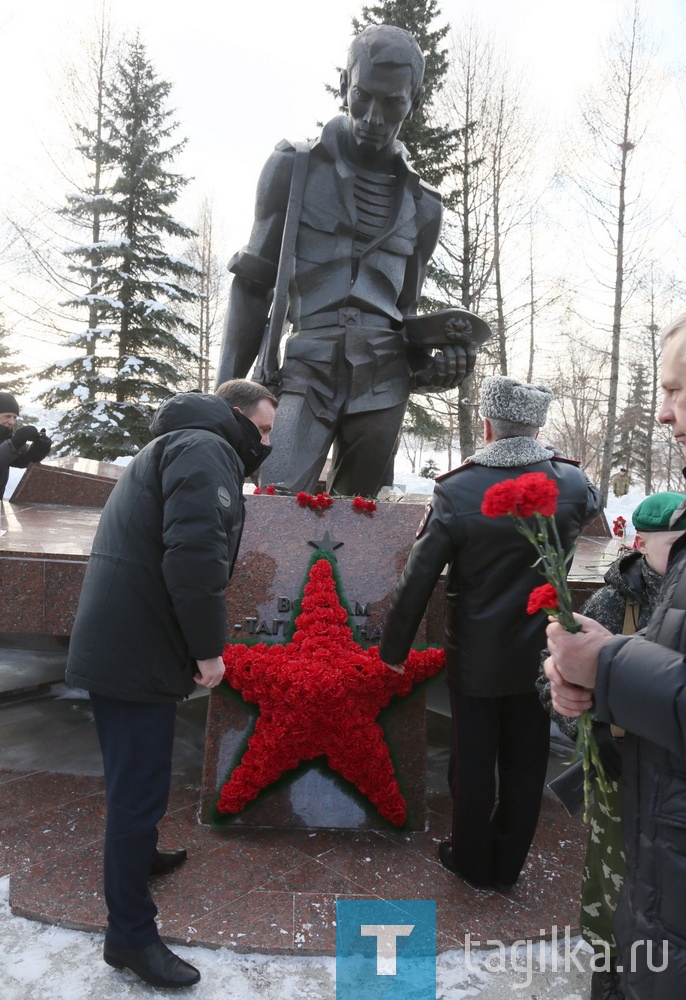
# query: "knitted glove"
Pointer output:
{"type": "Point", "coordinates": [40, 447]}
{"type": "Point", "coordinates": [23, 435]}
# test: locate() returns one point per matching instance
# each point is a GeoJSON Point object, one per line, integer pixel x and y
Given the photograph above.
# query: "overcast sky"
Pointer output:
{"type": "Point", "coordinates": [246, 73]}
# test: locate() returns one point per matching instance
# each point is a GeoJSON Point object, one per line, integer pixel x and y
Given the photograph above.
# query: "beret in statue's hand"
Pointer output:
{"type": "Point", "coordinates": [447, 327]}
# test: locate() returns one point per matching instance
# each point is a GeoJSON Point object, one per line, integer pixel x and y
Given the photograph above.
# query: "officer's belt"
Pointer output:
{"type": "Point", "coordinates": [346, 317]}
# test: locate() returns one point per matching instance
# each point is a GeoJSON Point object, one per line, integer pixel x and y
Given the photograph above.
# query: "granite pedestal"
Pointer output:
{"type": "Point", "coordinates": [278, 542]}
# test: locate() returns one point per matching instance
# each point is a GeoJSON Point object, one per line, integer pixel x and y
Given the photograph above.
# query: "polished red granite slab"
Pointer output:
{"type": "Point", "coordinates": [273, 891]}
{"type": "Point", "coordinates": [71, 481]}
{"type": "Point", "coordinates": [43, 556]}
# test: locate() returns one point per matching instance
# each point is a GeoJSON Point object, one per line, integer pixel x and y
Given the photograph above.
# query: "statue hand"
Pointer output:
{"type": "Point", "coordinates": [448, 368]}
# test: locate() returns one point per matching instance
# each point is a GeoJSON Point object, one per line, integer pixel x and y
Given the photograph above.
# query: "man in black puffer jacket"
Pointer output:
{"type": "Point", "coordinates": [639, 683]}
{"type": "Point", "coordinates": [492, 646]}
{"type": "Point", "coordinates": [151, 623]}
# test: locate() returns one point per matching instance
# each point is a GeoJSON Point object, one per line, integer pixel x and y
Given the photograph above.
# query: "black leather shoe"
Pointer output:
{"type": "Point", "coordinates": [156, 965]}
{"type": "Point", "coordinates": [167, 861]}
{"type": "Point", "coordinates": [445, 854]}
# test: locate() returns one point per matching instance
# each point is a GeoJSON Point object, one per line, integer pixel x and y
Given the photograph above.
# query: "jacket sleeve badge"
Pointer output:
{"type": "Point", "coordinates": [425, 520]}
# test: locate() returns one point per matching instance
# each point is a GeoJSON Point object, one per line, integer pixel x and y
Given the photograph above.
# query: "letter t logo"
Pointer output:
{"type": "Point", "coordinates": [386, 935]}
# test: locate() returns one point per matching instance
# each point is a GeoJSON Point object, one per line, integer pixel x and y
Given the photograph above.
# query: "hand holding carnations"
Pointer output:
{"type": "Point", "coordinates": [576, 655]}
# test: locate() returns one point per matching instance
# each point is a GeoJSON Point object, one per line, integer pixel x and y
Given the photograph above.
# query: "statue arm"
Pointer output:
{"type": "Point", "coordinates": [254, 269]}
{"type": "Point", "coordinates": [431, 217]}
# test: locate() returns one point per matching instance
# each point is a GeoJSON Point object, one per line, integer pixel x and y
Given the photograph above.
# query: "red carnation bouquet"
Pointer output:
{"type": "Point", "coordinates": [531, 500]}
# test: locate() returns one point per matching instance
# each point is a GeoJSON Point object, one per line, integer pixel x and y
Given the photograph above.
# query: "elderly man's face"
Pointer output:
{"type": "Point", "coordinates": [379, 100]}
{"type": "Point", "coordinates": [8, 420]}
{"type": "Point", "coordinates": [673, 380]}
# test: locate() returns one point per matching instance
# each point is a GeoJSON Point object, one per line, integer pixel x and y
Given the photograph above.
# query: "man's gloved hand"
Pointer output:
{"type": "Point", "coordinates": [40, 447]}
{"type": "Point", "coordinates": [23, 435]}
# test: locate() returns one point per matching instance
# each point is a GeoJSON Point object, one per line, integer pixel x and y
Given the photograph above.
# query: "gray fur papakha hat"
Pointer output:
{"type": "Point", "coordinates": [504, 398]}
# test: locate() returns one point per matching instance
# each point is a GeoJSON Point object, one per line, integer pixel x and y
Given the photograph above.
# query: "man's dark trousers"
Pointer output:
{"type": "Point", "coordinates": [511, 733]}
{"type": "Point", "coordinates": [136, 739]}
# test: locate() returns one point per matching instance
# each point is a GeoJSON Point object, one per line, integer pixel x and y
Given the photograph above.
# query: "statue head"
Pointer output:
{"type": "Point", "coordinates": [382, 84]}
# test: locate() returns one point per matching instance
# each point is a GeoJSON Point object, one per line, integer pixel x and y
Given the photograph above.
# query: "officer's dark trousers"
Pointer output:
{"type": "Point", "coordinates": [511, 735]}
{"type": "Point", "coordinates": [136, 739]}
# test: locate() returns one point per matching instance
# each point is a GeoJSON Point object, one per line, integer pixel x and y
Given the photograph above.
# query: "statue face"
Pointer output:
{"type": "Point", "coordinates": [379, 100]}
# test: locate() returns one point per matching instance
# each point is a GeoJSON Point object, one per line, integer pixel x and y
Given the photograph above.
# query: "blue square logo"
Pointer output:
{"type": "Point", "coordinates": [386, 949]}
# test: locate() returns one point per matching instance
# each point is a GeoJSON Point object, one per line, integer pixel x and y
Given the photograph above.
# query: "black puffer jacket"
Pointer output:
{"type": "Point", "coordinates": [492, 645]}
{"type": "Point", "coordinates": [153, 601]}
{"type": "Point", "coordinates": [641, 686]}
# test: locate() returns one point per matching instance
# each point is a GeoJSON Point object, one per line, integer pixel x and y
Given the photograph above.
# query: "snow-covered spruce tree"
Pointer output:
{"type": "Point", "coordinates": [131, 361]}
{"type": "Point", "coordinates": [13, 375]}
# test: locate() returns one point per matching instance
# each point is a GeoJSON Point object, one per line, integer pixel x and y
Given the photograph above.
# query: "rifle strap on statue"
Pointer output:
{"type": "Point", "coordinates": [268, 360]}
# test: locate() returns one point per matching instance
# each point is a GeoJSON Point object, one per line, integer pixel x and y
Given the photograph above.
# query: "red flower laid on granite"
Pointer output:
{"type": "Point", "coordinates": [319, 695]}
{"type": "Point", "coordinates": [533, 495]}
{"type": "Point", "coordinates": [364, 506]}
{"type": "Point", "coordinates": [542, 598]}
{"type": "Point", "coordinates": [268, 490]}
{"type": "Point", "coordinates": [322, 501]}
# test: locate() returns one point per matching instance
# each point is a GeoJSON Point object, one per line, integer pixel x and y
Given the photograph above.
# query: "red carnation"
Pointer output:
{"type": "Point", "coordinates": [499, 499]}
{"type": "Point", "coordinates": [542, 598]}
{"type": "Point", "coordinates": [532, 493]}
{"type": "Point", "coordinates": [359, 503]}
{"type": "Point", "coordinates": [537, 494]}
{"type": "Point", "coordinates": [303, 499]}
{"type": "Point", "coordinates": [257, 490]}
{"type": "Point", "coordinates": [370, 506]}
{"type": "Point", "coordinates": [270, 491]}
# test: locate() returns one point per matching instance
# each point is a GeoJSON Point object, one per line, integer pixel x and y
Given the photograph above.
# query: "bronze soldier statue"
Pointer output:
{"type": "Point", "coordinates": [344, 229]}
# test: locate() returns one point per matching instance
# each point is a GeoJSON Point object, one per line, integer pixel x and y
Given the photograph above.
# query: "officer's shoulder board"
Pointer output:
{"type": "Point", "coordinates": [428, 509]}
{"type": "Point", "coordinates": [453, 472]}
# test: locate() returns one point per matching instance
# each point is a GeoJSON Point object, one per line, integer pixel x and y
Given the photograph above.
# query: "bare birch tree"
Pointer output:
{"type": "Point", "coordinates": [473, 267]}
{"type": "Point", "coordinates": [615, 117]}
{"type": "Point", "coordinates": [211, 288]}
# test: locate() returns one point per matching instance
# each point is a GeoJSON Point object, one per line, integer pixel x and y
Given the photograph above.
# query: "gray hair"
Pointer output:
{"type": "Point", "coordinates": [511, 428]}
{"type": "Point", "coordinates": [672, 328]}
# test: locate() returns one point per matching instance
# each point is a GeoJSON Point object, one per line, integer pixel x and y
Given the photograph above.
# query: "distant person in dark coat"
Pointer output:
{"type": "Point", "coordinates": [151, 624]}
{"type": "Point", "coordinates": [19, 446]}
{"type": "Point", "coordinates": [492, 645]}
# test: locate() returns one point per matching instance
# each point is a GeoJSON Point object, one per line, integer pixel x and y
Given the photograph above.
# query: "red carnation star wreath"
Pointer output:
{"type": "Point", "coordinates": [320, 695]}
